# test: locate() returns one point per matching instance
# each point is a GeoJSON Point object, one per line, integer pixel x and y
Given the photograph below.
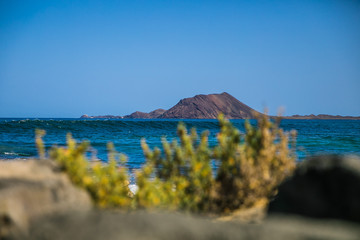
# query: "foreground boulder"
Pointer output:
{"type": "Point", "coordinates": [322, 187]}
{"type": "Point", "coordinates": [32, 189]}
{"type": "Point", "coordinates": [97, 225]}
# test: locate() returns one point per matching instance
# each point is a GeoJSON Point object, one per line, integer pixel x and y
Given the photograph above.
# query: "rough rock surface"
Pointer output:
{"type": "Point", "coordinates": [156, 113]}
{"type": "Point", "coordinates": [322, 187]}
{"type": "Point", "coordinates": [33, 188]}
{"type": "Point", "coordinates": [151, 226]}
{"type": "Point", "coordinates": [209, 107]}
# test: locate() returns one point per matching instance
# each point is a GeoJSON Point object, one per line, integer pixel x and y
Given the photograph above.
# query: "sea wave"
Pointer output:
{"type": "Point", "coordinates": [10, 153]}
{"type": "Point", "coordinates": [17, 138]}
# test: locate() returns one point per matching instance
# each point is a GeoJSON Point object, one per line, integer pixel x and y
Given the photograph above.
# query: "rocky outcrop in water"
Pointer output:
{"type": "Point", "coordinates": [209, 107]}
{"type": "Point", "coordinates": [323, 116]}
{"type": "Point", "coordinates": [137, 114]}
{"type": "Point", "coordinates": [198, 107]}
{"type": "Point", "coordinates": [154, 114]}
{"type": "Point", "coordinates": [102, 116]}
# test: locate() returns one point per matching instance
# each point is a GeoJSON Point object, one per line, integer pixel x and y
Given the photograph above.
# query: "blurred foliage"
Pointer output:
{"type": "Point", "coordinates": [39, 134]}
{"type": "Point", "coordinates": [180, 177]}
{"type": "Point", "coordinates": [107, 184]}
{"type": "Point", "coordinates": [248, 168]}
{"type": "Point", "coordinates": [252, 165]}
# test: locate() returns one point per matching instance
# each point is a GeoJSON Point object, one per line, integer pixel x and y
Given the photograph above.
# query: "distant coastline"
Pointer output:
{"type": "Point", "coordinates": [299, 117]}
{"type": "Point", "coordinates": [209, 107]}
{"type": "Point", "coordinates": [323, 116]}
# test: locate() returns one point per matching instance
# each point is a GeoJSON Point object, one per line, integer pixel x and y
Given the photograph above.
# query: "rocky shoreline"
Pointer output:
{"type": "Point", "coordinates": [322, 201]}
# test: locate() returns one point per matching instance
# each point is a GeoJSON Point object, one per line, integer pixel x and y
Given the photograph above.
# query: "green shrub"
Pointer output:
{"type": "Point", "coordinates": [107, 184]}
{"type": "Point", "coordinates": [180, 177]}
{"type": "Point", "coordinates": [253, 165]}
{"type": "Point", "coordinates": [249, 168]}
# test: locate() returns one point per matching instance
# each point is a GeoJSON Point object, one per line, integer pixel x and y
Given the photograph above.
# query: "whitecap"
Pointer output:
{"type": "Point", "coordinates": [10, 153]}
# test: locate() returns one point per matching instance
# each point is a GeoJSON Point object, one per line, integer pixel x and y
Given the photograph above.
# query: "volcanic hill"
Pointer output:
{"type": "Point", "coordinates": [209, 107]}
{"type": "Point", "coordinates": [198, 107]}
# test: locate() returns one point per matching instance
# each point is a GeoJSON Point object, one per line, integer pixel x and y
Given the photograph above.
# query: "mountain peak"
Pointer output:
{"type": "Point", "coordinates": [209, 107]}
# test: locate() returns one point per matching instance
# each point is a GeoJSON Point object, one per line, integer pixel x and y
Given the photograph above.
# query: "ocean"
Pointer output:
{"type": "Point", "coordinates": [17, 136]}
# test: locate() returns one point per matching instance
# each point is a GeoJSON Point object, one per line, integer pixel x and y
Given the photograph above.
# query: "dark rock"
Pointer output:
{"type": "Point", "coordinates": [322, 187]}
{"type": "Point", "coordinates": [209, 107]}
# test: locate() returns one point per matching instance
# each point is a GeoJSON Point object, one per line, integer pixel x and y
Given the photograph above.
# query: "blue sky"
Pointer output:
{"type": "Point", "coordinates": [68, 58]}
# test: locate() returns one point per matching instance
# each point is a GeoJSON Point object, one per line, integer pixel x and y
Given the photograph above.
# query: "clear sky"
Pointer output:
{"type": "Point", "coordinates": [68, 58]}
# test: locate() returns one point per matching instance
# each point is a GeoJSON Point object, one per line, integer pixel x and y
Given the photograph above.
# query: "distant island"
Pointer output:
{"type": "Point", "coordinates": [208, 107]}
{"type": "Point", "coordinates": [322, 116]}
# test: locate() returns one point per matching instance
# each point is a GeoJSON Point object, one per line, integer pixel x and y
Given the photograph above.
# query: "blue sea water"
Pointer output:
{"type": "Point", "coordinates": [17, 136]}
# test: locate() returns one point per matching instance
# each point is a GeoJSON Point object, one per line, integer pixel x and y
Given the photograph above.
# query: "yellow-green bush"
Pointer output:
{"type": "Point", "coordinates": [249, 168]}
{"type": "Point", "coordinates": [180, 177]}
{"type": "Point", "coordinates": [107, 184]}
